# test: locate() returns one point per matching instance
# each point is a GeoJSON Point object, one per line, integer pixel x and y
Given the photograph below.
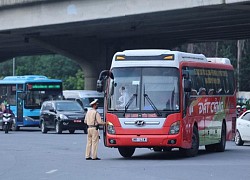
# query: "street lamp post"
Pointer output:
{"type": "Point", "coordinates": [240, 46]}
{"type": "Point", "coordinates": [14, 64]}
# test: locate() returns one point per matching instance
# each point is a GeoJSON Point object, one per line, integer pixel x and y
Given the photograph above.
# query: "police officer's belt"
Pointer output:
{"type": "Point", "coordinates": [91, 126]}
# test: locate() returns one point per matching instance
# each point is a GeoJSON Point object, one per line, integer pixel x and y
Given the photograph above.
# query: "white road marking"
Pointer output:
{"type": "Point", "coordinates": [52, 171]}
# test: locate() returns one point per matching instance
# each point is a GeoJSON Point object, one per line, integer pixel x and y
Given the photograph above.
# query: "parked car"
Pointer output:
{"type": "Point", "coordinates": [243, 129]}
{"type": "Point", "coordinates": [62, 115]}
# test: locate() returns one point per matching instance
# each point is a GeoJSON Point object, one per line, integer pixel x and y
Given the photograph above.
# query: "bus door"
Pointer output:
{"type": "Point", "coordinates": [19, 100]}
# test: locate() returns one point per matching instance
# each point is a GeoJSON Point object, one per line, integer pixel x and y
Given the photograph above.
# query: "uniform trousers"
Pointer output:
{"type": "Point", "coordinates": [92, 143]}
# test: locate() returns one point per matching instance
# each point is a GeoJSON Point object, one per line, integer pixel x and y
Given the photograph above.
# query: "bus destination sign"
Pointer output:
{"type": "Point", "coordinates": [43, 86]}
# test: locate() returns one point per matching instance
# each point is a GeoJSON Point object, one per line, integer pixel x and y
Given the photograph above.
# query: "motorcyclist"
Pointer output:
{"type": "Point", "coordinates": [8, 110]}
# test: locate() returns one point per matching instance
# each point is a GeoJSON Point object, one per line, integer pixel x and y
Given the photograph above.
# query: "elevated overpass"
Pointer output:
{"type": "Point", "coordinates": [90, 31]}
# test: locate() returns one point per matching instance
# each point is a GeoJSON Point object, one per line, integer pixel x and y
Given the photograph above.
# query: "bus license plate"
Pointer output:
{"type": "Point", "coordinates": [139, 139]}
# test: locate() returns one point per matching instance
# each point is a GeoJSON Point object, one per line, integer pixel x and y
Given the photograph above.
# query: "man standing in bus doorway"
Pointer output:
{"type": "Point", "coordinates": [93, 120]}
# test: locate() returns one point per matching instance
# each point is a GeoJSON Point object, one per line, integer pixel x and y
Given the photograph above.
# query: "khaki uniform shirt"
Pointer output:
{"type": "Point", "coordinates": [90, 117]}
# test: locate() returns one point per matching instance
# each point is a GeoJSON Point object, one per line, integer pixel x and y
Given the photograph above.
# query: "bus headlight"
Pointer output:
{"type": "Point", "coordinates": [174, 128]}
{"type": "Point", "coordinates": [110, 128]}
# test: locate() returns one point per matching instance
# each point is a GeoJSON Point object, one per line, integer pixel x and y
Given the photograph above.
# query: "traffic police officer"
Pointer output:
{"type": "Point", "coordinates": [93, 120]}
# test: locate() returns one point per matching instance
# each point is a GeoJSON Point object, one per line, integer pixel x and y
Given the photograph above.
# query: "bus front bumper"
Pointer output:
{"type": "Point", "coordinates": [144, 140]}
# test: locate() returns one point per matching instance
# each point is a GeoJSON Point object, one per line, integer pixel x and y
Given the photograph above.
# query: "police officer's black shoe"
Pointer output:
{"type": "Point", "coordinates": [97, 158]}
{"type": "Point", "coordinates": [89, 158]}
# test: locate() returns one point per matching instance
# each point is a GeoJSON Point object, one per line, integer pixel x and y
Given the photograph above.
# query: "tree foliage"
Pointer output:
{"type": "Point", "coordinates": [52, 66]}
{"type": "Point", "coordinates": [226, 49]}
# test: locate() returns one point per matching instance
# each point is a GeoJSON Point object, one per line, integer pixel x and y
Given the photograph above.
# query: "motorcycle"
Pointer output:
{"type": "Point", "coordinates": [7, 122]}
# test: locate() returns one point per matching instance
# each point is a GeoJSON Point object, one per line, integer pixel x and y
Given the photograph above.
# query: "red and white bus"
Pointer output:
{"type": "Point", "coordinates": [174, 100]}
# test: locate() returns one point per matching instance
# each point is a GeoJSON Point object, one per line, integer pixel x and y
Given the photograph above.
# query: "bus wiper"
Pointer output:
{"type": "Point", "coordinates": [152, 104]}
{"type": "Point", "coordinates": [131, 100]}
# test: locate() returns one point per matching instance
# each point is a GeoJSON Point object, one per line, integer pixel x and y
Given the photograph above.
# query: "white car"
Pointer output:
{"type": "Point", "coordinates": [243, 129]}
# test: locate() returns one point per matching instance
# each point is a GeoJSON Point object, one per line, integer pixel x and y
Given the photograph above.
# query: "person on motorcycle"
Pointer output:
{"type": "Point", "coordinates": [8, 110]}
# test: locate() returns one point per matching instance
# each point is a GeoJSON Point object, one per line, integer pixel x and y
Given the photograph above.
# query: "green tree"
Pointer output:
{"type": "Point", "coordinates": [52, 66]}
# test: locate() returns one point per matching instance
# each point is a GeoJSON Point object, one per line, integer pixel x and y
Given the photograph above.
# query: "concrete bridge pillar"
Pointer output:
{"type": "Point", "coordinates": [90, 53]}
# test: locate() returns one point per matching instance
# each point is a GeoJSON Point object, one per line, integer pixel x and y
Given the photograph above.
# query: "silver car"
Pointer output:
{"type": "Point", "coordinates": [243, 129]}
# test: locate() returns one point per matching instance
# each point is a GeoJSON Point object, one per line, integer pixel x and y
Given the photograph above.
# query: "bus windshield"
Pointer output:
{"type": "Point", "coordinates": [144, 89]}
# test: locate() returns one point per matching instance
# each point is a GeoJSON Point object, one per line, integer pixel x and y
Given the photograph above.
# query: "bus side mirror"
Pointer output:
{"type": "Point", "coordinates": [113, 88]}
{"type": "Point", "coordinates": [187, 85]}
{"type": "Point", "coordinates": [102, 77]}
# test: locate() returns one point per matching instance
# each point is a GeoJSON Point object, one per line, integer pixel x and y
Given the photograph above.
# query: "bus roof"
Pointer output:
{"type": "Point", "coordinates": [219, 60]}
{"type": "Point", "coordinates": [159, 58]}
{"type": "Point", "coordinates": [26, 79]}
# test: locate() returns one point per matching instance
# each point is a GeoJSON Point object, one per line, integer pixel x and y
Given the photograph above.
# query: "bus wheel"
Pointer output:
{"type": "Point", "coordinates": [43, 128]}
{"type": "Point", "coordinates": [126, 151]}
{"type": "Point", "coordinates": [193, 151]}
{"type": "Point", "coordinates": [238, 141]}
{"type": "Point", "coordinates": [220, 147]}
{"type": "Point", "coordinates": [58, 128]}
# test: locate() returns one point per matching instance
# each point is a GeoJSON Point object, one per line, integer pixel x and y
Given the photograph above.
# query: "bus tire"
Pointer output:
{"type": "Point", "coordinates": [220, 147]}
{"type": "Point", "coordinates": [237, 139]}
{"type": "Point", "coordinates": [126, 152]}
{"type": "Point", "coordinates": [58, 128]}
{"type": "Point", "coordinates": [193, 151]}
{"type": "Point", "coordinates": [43, 128]}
